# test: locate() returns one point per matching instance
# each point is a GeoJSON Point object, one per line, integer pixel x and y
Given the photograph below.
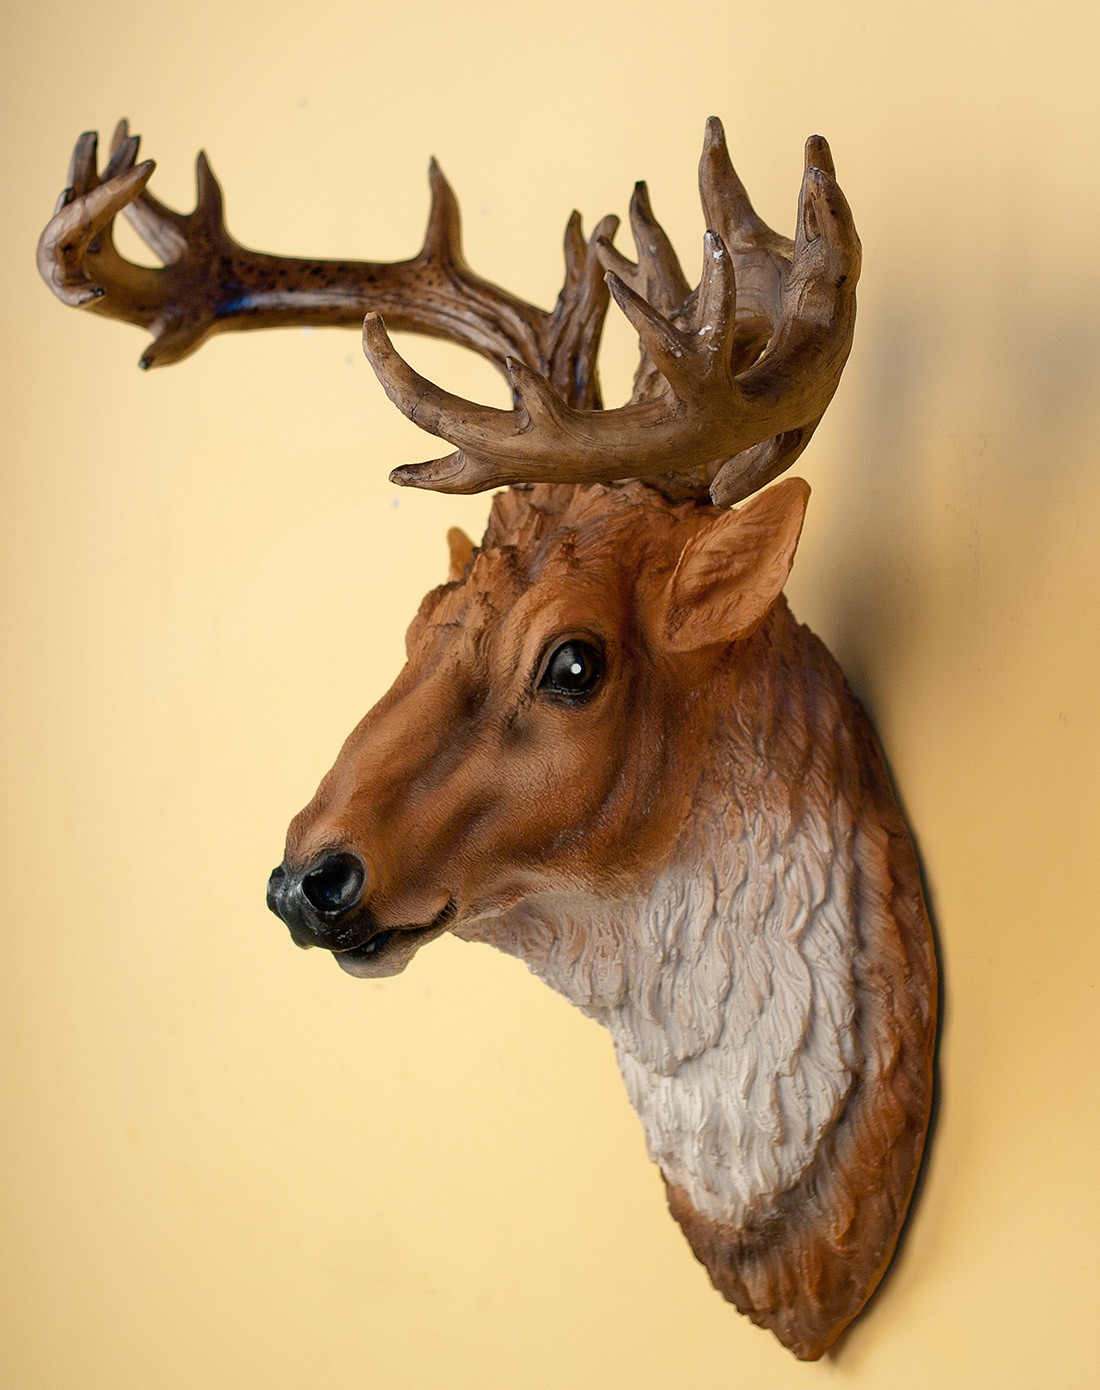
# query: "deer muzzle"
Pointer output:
{"type": "Point", "coordinates": [318, 900]}
{"type": "Point", "coordinates": [324, 903]}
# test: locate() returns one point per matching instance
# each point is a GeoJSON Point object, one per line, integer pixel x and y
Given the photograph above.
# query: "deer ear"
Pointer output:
{"type": "Point", "coordinates": [731, 572]}
{"type": "Point", "coordinates": [461, 549]}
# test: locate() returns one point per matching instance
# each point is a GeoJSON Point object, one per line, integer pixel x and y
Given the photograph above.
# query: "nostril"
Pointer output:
{"type": "Point", "coordinates": [335, 885]}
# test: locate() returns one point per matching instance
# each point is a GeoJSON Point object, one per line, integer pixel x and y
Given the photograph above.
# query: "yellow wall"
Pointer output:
{"type": "Point", "coordinates": [225, 1163]}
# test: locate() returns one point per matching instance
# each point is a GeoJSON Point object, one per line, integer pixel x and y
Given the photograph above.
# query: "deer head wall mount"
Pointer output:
{"type": "Point", "coordinates": [613, 752]}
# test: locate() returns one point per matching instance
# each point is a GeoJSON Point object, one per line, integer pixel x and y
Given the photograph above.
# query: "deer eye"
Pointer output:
{"type": "Point", "coordinates": [572, 670]}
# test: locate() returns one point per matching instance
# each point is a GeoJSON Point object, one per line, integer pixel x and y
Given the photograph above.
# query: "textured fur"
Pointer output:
{"type": "Point", "coordinates": [771, 996]}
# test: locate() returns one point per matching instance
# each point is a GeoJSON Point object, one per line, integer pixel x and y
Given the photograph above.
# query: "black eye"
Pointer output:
{"type": "Point", "coordinates": [571, 670]}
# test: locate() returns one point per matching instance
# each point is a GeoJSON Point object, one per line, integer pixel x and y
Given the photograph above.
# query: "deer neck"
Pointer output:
{"type": "Point", "coordinates": [727, 983]}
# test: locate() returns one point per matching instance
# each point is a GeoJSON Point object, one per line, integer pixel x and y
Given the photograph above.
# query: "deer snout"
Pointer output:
{"type": "Point", "coordinates": [315, 900]}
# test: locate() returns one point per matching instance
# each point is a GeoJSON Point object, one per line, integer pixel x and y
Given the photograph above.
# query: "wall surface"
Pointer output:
{"type": "Point", "coordinates": [226, 1164]}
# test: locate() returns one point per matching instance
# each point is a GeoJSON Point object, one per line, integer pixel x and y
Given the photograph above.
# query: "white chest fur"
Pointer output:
{"type": "Point", "coordinates": [729, 993]}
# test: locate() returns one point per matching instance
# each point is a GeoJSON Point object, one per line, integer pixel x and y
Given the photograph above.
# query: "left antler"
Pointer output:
{"type": "Point", "coordinates": [210, 283]}
{"type": "Point", "coordinates": [704, 412]}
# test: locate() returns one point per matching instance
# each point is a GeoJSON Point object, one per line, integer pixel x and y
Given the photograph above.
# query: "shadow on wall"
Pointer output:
{"type": "Point", "coordinates": [983, 434]}
{"type": "Point", "coordinates": [962, 607]}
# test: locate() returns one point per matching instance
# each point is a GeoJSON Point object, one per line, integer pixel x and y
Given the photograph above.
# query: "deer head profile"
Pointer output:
{"type": "Point", "coordinates": [612, 751]}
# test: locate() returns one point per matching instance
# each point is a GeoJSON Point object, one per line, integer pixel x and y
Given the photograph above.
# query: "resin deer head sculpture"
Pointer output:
{"type": "Point", "coordinates": [612, 751]}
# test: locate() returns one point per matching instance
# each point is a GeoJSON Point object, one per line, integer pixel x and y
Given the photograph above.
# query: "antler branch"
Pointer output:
{"type": "Point", "coordinates": [735, 375]}
{"type": "Point", "coordinates": [210, 283]}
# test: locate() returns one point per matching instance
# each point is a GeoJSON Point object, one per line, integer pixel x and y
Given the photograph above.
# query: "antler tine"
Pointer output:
{"type": "Point", "coordinates": [434, 409]}
{"type": "Point", "coordinates": [726, 204]}
{"type": "Point", "coordinates": [84, 164]}
{"type": "Point", "coordinates": [209, 199]}
{"type": "Point", "coordinates": [573, 248]}
{"type": "Point", "coordinates": [824, 212]}
{"type": "Point", "coordinates": [564, 344]}
{"type": "Point", "coordinates": [160, 226]}
{"type": "Point", "coordinates": [576, 325]}
{"type": "Point", "coordinates": [660, 276]}
{"type": "Point", "coordinates": [120, 134]}
{"type": "Point", "coordinates": [820, 156]}
{"type": "Point", "coordinates": [124, 151]}
{"type": "Point", "coordinates": [656, 278]}
{"type": "Point", "coordinates": [664, 343]}
{"type": "Point", "coordinates": [443, 236]}
{"type": "Point", "coordinates": [84, 214]}
{"type": "Point", "coordinates": [716, 305]}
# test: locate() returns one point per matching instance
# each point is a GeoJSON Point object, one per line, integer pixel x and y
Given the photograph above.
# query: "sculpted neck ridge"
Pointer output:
{"type": "Point", "coordinates": [752, 994]}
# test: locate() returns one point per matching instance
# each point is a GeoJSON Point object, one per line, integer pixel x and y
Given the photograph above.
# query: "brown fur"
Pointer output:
{"type": "Point", "coordinates": [808, 1268]}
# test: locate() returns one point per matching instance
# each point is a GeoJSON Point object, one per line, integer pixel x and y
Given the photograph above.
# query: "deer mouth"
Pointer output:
{"type": "Point", "coordinates": [388, 950]}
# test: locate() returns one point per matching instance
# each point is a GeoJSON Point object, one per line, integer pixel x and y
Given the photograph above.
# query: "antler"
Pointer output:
{"type": "Point", "coordinates": [734, 377]}
{"type": "Point", "coordinates": [211, 283]}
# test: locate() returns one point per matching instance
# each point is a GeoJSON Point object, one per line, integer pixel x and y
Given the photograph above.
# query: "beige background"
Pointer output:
{"type": "Point", "coordinates": [224, 1163]}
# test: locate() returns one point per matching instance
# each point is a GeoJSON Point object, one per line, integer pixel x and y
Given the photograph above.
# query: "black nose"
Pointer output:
{"type": "Point", "coordinates": [314, 901]}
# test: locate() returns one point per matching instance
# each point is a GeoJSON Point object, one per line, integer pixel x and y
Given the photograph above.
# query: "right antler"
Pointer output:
{"type": "Point", "coordinates": [735, 376]}
{"type": "Point", "coordinates": [210, 283]}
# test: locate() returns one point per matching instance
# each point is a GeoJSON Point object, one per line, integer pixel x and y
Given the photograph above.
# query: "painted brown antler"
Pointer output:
{"type": "Point", "coordinates": [209, 283]}
{"type": "Point", "coordinates": [710, 408]}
